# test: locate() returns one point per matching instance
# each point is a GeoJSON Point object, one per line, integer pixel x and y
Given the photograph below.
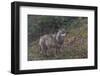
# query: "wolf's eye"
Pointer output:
{"type": "Point", "coordinates": [63, 32]}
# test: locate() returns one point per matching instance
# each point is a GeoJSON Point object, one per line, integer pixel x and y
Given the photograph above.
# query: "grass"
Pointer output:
{"type": "Point", "coordinates": [75, 47]}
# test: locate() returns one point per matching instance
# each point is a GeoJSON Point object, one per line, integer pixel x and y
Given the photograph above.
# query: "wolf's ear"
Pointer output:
{"type": "Point", "coordinates": [61, 29]}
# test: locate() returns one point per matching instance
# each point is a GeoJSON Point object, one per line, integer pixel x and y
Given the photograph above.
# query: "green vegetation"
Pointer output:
{"type": "Point", "coordinates": [75, 44]}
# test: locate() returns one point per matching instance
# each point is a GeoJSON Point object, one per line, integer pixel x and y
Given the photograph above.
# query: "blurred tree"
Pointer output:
{"type": "Point", "coordinates": [41, 24]}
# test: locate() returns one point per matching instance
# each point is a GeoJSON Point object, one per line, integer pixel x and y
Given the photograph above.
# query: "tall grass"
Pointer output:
{"type": "Point", "coordinates": [75, 47]}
